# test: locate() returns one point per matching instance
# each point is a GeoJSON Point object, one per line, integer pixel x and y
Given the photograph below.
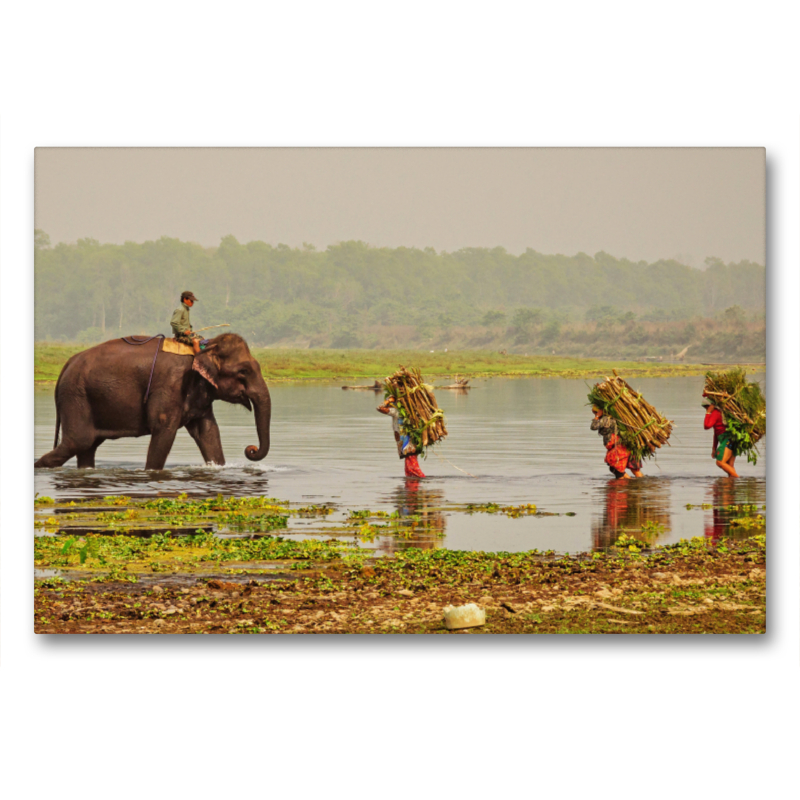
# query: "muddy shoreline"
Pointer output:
{"type": "Point", "coordinates": [685, 588]}
{"type": "Point", "coordinates": [226, 565]}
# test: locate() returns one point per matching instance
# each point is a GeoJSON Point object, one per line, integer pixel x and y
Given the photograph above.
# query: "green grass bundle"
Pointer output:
{"type": "Point", "coordinates": [421, 417]}
{"type": "Point", "coordinates": [743, 407]}
{"type": "Point", "coordinates": [642, 429]}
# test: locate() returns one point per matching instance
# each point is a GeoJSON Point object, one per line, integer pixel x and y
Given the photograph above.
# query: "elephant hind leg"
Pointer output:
{"type": "Point", "coordinates": [77, 436]}
{"type": "Point", "coordinates": [61, 454]}
{"type": "Point", "coordinates": [86, 457]}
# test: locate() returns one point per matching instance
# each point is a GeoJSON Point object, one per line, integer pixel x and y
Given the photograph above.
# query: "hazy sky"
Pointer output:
{"type": "Point", "coordinates": [638, 203]}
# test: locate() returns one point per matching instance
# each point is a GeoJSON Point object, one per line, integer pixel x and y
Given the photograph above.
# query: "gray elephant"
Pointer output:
{"type": "Point", "coordinates": [102, 393]}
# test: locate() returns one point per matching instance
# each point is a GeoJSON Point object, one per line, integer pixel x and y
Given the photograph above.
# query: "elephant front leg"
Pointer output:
{"type": "Point", "coordinates": [205, 432]}
{"type": "Point", "coordinates": [160, 444]}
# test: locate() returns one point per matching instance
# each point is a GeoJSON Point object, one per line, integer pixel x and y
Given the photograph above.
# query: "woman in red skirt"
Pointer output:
{"type": "Point", "coordinates": [618, 457]}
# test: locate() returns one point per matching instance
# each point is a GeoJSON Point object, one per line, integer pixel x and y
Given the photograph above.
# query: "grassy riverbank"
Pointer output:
{"type": "Point", "coordinates": [125, 580]}
{"type": "Point", "coordinates": [282, 364]}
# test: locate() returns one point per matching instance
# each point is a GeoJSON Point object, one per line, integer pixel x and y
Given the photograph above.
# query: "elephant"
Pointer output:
{"type": "Point", "coordinates": [102, 393]}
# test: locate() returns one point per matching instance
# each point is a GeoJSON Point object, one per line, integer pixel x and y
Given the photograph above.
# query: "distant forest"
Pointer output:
{"type": "Point", "coordinates": [353, 295]}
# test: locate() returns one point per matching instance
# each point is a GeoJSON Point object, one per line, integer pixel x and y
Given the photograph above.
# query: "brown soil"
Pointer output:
{"type": "Point", "coordinates": [702, 592]}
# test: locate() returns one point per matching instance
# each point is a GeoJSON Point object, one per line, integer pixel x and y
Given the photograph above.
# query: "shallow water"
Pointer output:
{"type": "Point", "coordinates": [511, 441]}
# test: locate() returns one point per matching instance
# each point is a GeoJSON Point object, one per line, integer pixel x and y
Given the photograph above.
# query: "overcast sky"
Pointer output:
{"type": "Point", "coordinates": [637, 203]}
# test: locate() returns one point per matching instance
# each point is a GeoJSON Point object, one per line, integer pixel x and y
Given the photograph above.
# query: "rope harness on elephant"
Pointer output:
{"type": "Point", "coordinates": [141, 340]}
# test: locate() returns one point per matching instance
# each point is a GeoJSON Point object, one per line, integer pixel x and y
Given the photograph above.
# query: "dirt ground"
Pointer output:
{"type": "Point", "coordinates": [685, 588]}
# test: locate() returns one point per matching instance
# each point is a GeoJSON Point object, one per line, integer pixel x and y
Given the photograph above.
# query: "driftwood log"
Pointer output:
{"type": "Point", "coordinates": [375, 387]}
{"type": "Point", "coordinates": [458, 383]}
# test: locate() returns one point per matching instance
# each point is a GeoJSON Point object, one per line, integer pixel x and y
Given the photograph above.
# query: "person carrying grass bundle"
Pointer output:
{"type": "Point", "coordinates": [618, 457]}
{"type": "Point", "coordinates": [723, 451]}
{"type": "Point", "coordinates": [737, 410]}
{"type": "Point", "coordinates": [631, 428]}
{"type": "Point", "coordinates": [417, 420]}
{"type": "Point", "coordinates": [405, 447]}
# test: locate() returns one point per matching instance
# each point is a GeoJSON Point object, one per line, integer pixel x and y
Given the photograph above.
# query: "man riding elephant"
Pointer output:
{"type": "Point", "coordinates": [181, 324]}
{"type": "Point", "coordinates": [125, 387]}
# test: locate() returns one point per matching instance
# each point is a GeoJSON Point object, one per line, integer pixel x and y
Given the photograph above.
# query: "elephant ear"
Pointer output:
{"type": "Point", "coordinates": [207, 364]}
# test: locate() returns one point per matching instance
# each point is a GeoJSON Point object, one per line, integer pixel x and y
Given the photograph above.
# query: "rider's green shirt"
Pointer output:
{"type": "Point", "coordinates": [180, 320]}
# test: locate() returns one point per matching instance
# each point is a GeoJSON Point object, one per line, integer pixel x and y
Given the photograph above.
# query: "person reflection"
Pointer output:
{"type": "Point", "coordinates": [420, 521]}
{"type": "Point", "coordinates": [637, 509]}
{"type": "Point", "coordinates": [728, 500]}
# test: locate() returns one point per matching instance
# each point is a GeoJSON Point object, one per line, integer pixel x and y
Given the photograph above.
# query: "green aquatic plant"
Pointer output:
{"type": "Point", "coordinates": [313, 511]}
{"type": "Point", "coordinates": [368, 533]}
{"type": "Point", "coordinates": [168, 552]}
{"type": "Point", "coordinates": [630, 543]}
{"type": "Point", "coordinates": [116, 500]}
{"type": "Point", "coordinates": [652, 528]}
{"type": "Point", "coordinates": [524, 510]}
{"type": "Point", "coordinates": [185, 506]}
{"type": "Point", "coordinates": [749, 523]}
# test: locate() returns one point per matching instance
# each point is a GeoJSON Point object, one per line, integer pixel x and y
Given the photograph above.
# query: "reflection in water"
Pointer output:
{"type": "Point", "coordinates": [639, 508]}
{"type": "Point", "coordinates": [525, 440]}
{"type": "Point", "coordinates": [197, 481]}
{"type": "Point", "coordinates": [421, 522]}
{"type": "Point", "coordinates": [726, 496]}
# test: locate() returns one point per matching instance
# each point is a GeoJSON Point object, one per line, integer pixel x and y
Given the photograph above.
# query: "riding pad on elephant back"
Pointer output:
{"type": "Point", "coordinates": [179, 348]}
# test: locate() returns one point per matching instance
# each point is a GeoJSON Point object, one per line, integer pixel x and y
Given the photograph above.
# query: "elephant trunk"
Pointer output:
{"type": "Point", "coordinates": [262, 408]}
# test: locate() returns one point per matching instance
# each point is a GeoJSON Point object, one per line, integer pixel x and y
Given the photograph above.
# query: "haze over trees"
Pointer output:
{"type": "Point", "coordinates": [354, 295]}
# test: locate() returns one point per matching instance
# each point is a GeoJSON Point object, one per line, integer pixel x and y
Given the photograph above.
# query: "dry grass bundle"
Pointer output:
{"type": "Point", "coordinates": [642, 429]}
{"type": "Point", "coordinates": [742, 404]}
{"type": "Point", "coordinates": [421, 417]}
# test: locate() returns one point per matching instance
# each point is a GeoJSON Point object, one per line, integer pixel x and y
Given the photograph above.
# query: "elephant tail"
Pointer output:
{"type": "Point", "coordinates": [58, 410]}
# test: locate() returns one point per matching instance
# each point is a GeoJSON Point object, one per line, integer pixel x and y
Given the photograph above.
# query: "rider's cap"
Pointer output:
{"type": "Point", "coordinates": [188, 296]}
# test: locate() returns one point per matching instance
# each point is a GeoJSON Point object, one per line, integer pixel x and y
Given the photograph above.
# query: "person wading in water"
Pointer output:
{"type": "Point", "coordinates": [618, 456]}
{"type": "Point", "coordinates": [722, 451]}
{"type": "Point", "coordinates": [405, 447]}
{"type": "Point", "coordinates": [182, 326]}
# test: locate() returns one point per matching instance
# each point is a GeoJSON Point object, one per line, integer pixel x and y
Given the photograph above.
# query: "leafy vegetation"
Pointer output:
{"type": "Point", "coordinates": [743, 408]}
{"type": "Point", "coordinates": [164, 553]}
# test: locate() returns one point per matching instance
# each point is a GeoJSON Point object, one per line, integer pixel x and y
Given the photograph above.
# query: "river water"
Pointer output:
{"type": "Point", "coordinates": [511, 442]}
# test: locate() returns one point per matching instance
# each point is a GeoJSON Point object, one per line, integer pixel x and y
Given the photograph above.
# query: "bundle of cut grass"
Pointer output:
{"type": "Point", "coordinates": [743, 407]}
{"type": "Point", "coordinates": [642, 429]}
{"type": "Point", "coordinates": [421, 417]}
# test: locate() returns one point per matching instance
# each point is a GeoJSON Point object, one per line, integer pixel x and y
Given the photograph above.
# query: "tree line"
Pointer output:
{"type": "Point", "coordinates": [347, 294]}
